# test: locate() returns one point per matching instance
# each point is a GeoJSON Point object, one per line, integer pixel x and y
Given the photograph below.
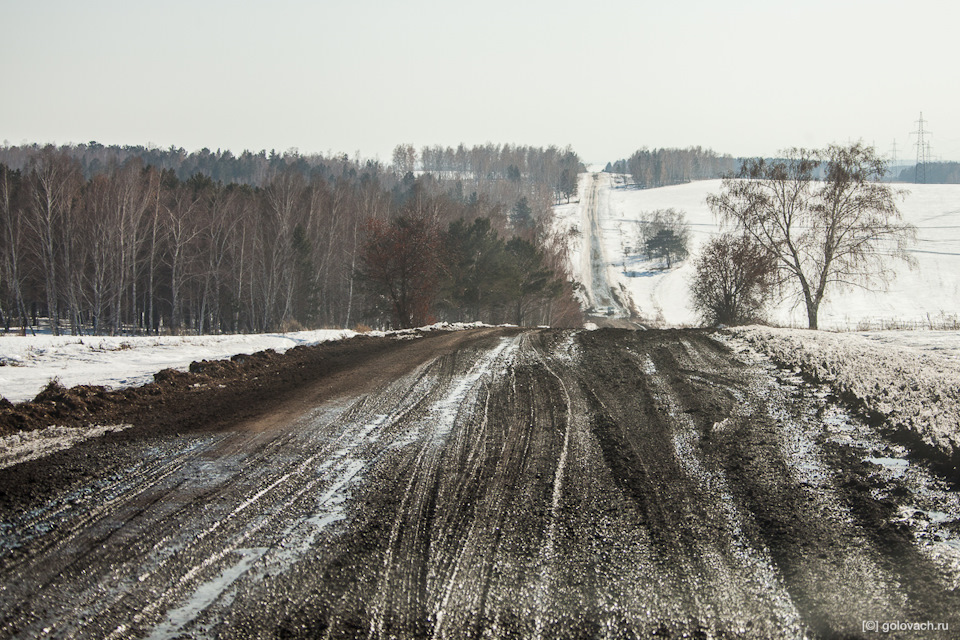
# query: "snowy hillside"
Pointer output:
{"type": "Point", "coordinates": [929, 294]}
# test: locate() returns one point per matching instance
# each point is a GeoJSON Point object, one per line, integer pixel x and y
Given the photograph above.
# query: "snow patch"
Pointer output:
{"type": "Point", "coordinates": [445, 410]}
{"type": "Point", "coordinates": [205, 595]}
{"type": "Point", "coordinates": [30, 445]}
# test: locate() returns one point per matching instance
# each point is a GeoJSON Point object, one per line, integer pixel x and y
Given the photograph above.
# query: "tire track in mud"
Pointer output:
{"type": "Point", "coordinates": [549, 557]}
{"type": "Point", "coordinates": [369, 424]}
{"type": "Point", "coordinates": [546, 484]}
{"type": "Point", "coordinates": [403, 587]}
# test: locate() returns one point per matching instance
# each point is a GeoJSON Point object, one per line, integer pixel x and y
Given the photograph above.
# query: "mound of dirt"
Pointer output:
{"type": "Point", "coordinates": [210, 388]}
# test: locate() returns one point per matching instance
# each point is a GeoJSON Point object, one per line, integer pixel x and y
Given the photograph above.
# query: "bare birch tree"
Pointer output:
{"type": "Point", "coordinates": [55, 181]}
{"type": "Point", "coordinates": [181, 227]}
{"type": "Point", "coordinates": [12, 241]}
{"type": "Point", "coordinates": [837, 232]}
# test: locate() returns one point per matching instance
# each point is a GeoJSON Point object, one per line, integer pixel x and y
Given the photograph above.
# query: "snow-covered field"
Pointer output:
{"type": "Point", "coordinates": [914, 387]}
{"type": "Point", "coordinates": [928, 295]}
{"type": "Point", "coordinates": [942, 343]}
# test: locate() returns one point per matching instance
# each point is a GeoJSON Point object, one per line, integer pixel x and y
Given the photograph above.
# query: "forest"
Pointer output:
{"type": "Point", "coordinates": [124, 240]}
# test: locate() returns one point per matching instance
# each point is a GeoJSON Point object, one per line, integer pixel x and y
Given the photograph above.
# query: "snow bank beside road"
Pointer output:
{"type": "Point", "coordinates": [30, 362]}
{"type": "Point", "coordinates": [912, 389]}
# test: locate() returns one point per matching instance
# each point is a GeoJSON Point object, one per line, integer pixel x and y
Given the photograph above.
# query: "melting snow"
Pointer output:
{"type": "Point", "coordinates": [116, 362]}
{"type": "Point", "coordinates": [30, 445]}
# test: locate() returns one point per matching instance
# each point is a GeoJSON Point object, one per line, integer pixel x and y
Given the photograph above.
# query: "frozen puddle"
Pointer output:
{"type": "Point", "coordinates": [896, 466]}
{"type": "Point", "coordinates": [932, 509]}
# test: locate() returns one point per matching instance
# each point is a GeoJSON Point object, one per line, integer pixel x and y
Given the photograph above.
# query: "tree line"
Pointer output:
{"type": "Point", "coordinates": [664, 167]}
{"type": "Point", "coordinates": [502, 172]}
{"type": "Point", "coordinates": [127, 246]}
{"type": "Point", "coordinates": [249, 167]}
{"type": "Point", "coordinates": [931, 173]}
{"type": "Point", "coordinates": [497, 171]}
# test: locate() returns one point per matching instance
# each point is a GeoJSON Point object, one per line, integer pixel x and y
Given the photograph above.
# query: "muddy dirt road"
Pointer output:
{"type": "Point", "coordinates": [495, 484]}
{"type": "Point", "coordinates": [605, 299]}
{"type": "Point", "coordinates": [608, 303]}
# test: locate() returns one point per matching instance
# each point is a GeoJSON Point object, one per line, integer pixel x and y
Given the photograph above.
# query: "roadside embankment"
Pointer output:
{"type": "Point", "coordinates": [913, 393]}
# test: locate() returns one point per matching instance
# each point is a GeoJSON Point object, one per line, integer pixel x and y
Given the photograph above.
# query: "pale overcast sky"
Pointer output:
{"type": "Point", "coordinates": [739, 76]}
